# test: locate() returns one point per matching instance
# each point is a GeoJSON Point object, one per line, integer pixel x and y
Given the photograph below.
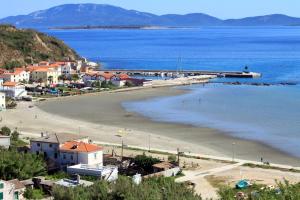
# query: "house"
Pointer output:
{"type": "Point", "coordinates": [75, 152]}
{"type": "Point", "coordinates": [44, 75]}
{"type": "Point", "coordinates": [49, 145]}
{"type": "Point", "coordinates": [4, 141]}
{"type": "Point", "coordinates": [2, 101]}
{"type": "Point", "coordinates": [87, 159]}
{"type": "Point", "coordinates": [18, 75]}
{"type": "Point", "coordinates": [13, 89]}
{"type": "Point", "coordinates": [11, 190]}
{"type": "Point", "coordinates": [120, 80]}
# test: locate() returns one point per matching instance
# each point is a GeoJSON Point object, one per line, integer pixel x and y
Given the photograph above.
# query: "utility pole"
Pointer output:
{"type": "Point", "coordinates": [122, 149]}
{"type": "Point", "coordinates": [178, 156]}
{"type": "Point", "coordinates": [149, 142]}
{"type": "Point", "coordinates": [233, 151]}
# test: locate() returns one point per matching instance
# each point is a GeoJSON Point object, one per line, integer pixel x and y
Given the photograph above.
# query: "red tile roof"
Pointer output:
{"type": "Point", "coordinates": [10, 84]}
{"type": "Point", "coordinates": [123, 76]}
{"type": "Point", "coordinates": [80, 147]}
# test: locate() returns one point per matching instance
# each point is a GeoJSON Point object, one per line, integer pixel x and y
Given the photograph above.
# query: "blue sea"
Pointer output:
{"type": "Point", "coordinates": [267, 114]}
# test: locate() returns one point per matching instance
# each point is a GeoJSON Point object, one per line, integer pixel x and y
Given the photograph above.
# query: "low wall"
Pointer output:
{"type": "Point", "coordinates": [166, 173]}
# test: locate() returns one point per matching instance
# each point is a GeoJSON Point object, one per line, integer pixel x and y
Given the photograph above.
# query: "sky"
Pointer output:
{"type": "Point", "coordinates": [223, 9]}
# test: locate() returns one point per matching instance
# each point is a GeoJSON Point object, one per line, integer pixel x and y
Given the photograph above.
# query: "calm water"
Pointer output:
{"type": "Point", "coordinates": [267, 114]}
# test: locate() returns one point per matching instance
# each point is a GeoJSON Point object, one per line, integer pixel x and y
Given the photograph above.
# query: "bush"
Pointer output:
{"type": "Point", "coordinates": [5, 131]}
{"type": "Point", "coordinates": [33, 193]}
{"type": "Point", "coordinates": [153, 188]}
{"type": "Point", "coordinates": [172, 158]}
{"type": "Point", "coordinates": [283, 191]}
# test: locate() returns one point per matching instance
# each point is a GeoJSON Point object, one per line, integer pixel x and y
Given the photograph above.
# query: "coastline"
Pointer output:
{"type": "Point", "coordinates": [103, 122]}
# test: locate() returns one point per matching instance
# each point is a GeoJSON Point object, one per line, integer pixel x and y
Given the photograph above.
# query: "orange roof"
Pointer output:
{"type": "Point", "coordinates": [123, 76]}
{"type": "Point", "coordinates": [106, 75]}
{"type": "Point", "coordinates": [10, 84]}
{"type": "Point", "coordinates": [80, 147]}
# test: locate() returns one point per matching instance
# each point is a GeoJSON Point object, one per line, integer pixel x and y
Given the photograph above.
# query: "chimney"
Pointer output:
{"type": "Point", "coordinates": [42, 134]}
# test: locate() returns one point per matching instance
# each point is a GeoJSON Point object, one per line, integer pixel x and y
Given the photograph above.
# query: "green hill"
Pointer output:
{"type": "Point", "coordinates": [25, 46]}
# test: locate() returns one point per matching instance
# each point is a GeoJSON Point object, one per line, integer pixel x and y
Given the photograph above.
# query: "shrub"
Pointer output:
{"type": "Point", "coordinates": [5, 131]}
{"type": "Point", "coordinates": [33, 193]}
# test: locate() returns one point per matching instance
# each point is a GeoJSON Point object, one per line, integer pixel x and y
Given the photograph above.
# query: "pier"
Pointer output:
{"type": "Point", "coordinates": [170, 73]}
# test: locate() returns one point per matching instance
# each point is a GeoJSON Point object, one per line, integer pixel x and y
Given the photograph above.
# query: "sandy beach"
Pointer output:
{"type": "Point", "coordinates": [102, 118]}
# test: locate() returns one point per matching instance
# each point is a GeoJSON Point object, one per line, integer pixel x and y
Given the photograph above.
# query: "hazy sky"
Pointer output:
{"type": "Point", "coordinates": [219, 8]}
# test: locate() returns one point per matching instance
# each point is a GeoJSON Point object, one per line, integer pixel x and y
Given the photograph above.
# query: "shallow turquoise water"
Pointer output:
{"type": "Point", "coordinates": [267, 114]}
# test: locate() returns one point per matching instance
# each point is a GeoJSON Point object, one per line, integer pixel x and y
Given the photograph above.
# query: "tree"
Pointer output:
{"type": "Point", "coordinates": [15, 135]}
{"type": "Point", "coordinates": [145, 162]}
{"type": "Point", "coordinates": [5, 131]}
{"type": "Point", "coordinates": [15, 165]}
{"type": "Point", "coordinates": [50, 79]}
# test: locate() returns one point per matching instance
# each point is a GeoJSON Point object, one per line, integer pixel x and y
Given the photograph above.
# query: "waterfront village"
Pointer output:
{"type": "Point", "coordinates": [38, 167]}
{"type": "Point", "coordinates": [67, 156]}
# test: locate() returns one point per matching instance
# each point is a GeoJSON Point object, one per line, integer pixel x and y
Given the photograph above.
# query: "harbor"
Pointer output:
{"type": "Point", "coordinates": [184, 73]}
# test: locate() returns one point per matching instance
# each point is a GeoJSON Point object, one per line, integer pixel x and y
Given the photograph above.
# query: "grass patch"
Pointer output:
{"type": "Point", "coordinates": [270, 167]}
{"type": "Point", "coordinates": [216, 181]}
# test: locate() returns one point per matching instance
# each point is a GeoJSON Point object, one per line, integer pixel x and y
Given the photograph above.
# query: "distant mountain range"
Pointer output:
{"type": "Point", "coordinates": [106, 15]}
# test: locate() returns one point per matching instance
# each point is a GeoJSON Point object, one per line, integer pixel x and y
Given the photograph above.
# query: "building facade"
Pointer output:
{"type": "Point", "coordinates": [2, 101]}
{"type": "Point", "coordinates": [46, 76]}
{"type": "Point", "coordinates": [11, 190]}
{"type": "Point", "coordinates": [13, 89]}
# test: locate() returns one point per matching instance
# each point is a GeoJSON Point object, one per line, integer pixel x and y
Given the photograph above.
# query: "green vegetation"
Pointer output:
{"type": "Point", "coordinates": [33, 194]}
{"type": "Point", "coordinates": [20, 165]}
{"type": "Point", "coordinates": [5, 131]}
{"type": "Point", "coordinates": [152, 188]}
{"type": "Point", "coordinates": [172, 158]}
{"type": "Point", "coordinates": [145, 162]}
{"type": "Point", "coordinates": [270, 167]}
{"type": "Point", "coordinates": [22, 47]}
{"type": "Point", "coordinates": [108, 85]}
{"type": "Point", "coordinates": [283, 191]}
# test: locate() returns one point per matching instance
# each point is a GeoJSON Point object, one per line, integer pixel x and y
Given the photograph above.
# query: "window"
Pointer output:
{"type": "Point", "coordinates": [95, 155]}
{"type": "Point", "coordinates": [55, 155]}
{"type": "Point", "coordinates": [16, 195]}
{"type": "Point", "coordinates": [72, 157]}
{"type": "Point", "coordinates": [45, 155]}
{"type": "Point", "coordinates": [1, 195]}
{"type": "Point", "coordinates": [37, 152]}
{"type": "Point", "coordinates": [1, 185]}
{"type": "Point", "coordinates": [50, 145]}
{"type": "Point", "coordinates": [64, 156]}
{"type": "Point", "coordinates": [38, 144]}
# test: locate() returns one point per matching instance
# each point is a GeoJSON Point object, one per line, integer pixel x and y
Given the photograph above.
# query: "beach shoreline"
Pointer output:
{"type": "Point", "coordinates": [80, 115]}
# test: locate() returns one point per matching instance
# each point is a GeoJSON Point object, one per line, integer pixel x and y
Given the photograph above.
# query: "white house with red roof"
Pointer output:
{"type": "Point", "coordinates": [75, 152]}
{"type": "Point", "coordinates": [13, 89]}
{"type": "Point", "coordinates": [18, 75]}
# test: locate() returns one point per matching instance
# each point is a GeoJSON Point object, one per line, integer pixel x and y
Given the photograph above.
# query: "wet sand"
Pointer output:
{"type": "Point", "coordinates": [105, 110]}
